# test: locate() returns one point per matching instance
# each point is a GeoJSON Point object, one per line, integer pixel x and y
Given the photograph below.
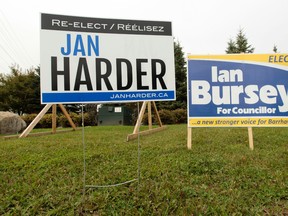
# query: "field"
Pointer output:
{"type": "Point", "coordinates": [219, 176]}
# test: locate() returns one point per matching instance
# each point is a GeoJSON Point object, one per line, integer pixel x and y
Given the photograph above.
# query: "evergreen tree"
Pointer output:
{"type": "Point", "coordinates": [231, 47]}
{"type": "Point", "coordinates": [181, 86]}
{"type": "Point", "coordinates": [91, 109]}
{"type": "Point", "coordinates": [240, 45]}
{"type": "Point", "coordinates": [275, 49]}
{"type": "Point", "coordinates": [20, 91]}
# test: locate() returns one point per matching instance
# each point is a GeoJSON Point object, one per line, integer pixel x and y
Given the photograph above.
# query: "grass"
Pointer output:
{"type": "Point", "coordinates": [219, 176]}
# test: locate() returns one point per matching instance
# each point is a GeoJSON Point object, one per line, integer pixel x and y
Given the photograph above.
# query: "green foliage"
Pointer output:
{"type": "Point", "coordinates": [20, 92]}
{"type": "Point", "coordinates": [46, 120]}
{"type": "Point", "coordinates": [181, 86]}
{"type": "Point", "coordinates": [275, 49]}
{"type": "Point", "coordinates": [91, 110]}
{"type": "Point", "coordinates": [167, 117]}
{"type": "Point", "coordinates": [28, 118]}
{"type": "Point", "coordinates": [76, 118]}
{"type": "Point", "coordinates": [219, 176]}
{"type": "Point", "coordinates": [240, 45]}
{"type": "Point", "coordinates": [178, 116]}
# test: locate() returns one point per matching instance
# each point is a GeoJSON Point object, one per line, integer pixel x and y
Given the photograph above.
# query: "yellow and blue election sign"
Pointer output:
{"type": "Point", "coordinates": [238, 90]}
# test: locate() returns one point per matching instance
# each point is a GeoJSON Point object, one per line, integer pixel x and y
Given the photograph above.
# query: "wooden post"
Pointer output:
{"type": "Point", "coordinates": [54, 122]}
{"type": "Point", "coordinates": [151, 130]}
{"type": "Point", "coordinates": [67, 116]}
{"type": "Point", "coordinates": [157, 114]}
{"type": "Point", "coordinates": [189, 137]}
{"type": "Point", "coordinates": [35, 121]}
{"type": "Point", "coordinates": [54, 118]}
{"type": "Point", "coordinates": [250, 135]}
{"type": "Point", "coordinates": [149, 116]}
{"type": "Point", "coordinates": [139, 120]}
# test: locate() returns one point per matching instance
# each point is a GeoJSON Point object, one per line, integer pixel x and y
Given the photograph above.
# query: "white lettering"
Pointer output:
{"type": "Point", "coordinates": [235, 97]}
{"type": "Point", "coordinates": [226, 76]}
{"type": "Point", "coordinates": [217, 99]}
{"type": "Point", "coordinates": [284, 96]}
{"type": "Point", "coordinates": [200, 92]}
{"type": "Point", "coordinates": [268, 94]}
{"type": "Point", "coordinates": [252, 96]}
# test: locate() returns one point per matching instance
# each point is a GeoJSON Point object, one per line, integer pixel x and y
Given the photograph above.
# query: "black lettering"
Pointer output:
{"type": "Point", "coordinates": [82, 66]}
{"type": "Point", "coordinates": [159, 76]}
{"type": "Point", "coordinates": [120, 85]}
{"type": "Point", "coordinates": [140, 73]}
{"type": "Point", "coordinates": [55, 73]}
{"type": "Point", "coordinates": [278, 59]}
{"type": "Point", "coordinates": [105, 76]}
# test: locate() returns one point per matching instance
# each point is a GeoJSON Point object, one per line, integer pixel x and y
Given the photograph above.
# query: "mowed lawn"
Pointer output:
{"type": "Point", "coordinates": [219, 176]}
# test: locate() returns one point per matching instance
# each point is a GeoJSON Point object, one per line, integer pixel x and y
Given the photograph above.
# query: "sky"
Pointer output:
{"type": "Point", "coordinates": [200, 26]}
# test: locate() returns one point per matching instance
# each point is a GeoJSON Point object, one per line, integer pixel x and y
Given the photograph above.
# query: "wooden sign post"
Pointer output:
{"type": "Point", "coordinates": [250, 136]}
{"type": "Point", "coordinates": [151, 130]}
{"type": "Point", "coordinates": [30, 127]}
{"type": "Point", "coordinates": [189, 137]}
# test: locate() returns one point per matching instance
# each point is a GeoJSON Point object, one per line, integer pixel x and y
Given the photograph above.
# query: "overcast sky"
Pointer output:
{"type": "Point", "coordinates": [201, 26]}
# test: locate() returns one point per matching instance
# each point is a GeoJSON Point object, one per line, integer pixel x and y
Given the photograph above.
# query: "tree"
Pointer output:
{"type": "Point", "coordinates": [20, 91]}
{"type": "Point", "coordinates": [91, 109]}
{"type": "Point", "coordinates": [275, 49]}
{"type": "Point", "coordinates": [240, 45]}
{"type": "Point", "coordinates": [231, 47]}
{"type": "Point", "coordinates": [181, 86]}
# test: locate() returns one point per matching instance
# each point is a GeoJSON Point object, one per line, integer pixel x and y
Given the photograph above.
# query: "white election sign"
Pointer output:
{"type": "Point", "coordinates": [86, 60]}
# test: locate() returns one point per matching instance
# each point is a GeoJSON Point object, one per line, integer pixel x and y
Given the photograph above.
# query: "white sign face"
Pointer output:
{"type": "Point", "coordinates": [85, 60]}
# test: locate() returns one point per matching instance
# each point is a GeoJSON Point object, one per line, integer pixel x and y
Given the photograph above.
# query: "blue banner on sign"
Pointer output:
{"type": "Point", "coordinates": [86, 97]}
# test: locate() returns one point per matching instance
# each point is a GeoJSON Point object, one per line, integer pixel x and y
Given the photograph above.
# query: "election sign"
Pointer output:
{"type": "Point", "coordinates": [86, 60]}
{"type": "Point", "coordinates": [238, 90]}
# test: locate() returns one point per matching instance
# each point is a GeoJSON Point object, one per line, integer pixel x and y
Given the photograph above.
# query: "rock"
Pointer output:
{"type": "Point", "coordinates": [11, 123]}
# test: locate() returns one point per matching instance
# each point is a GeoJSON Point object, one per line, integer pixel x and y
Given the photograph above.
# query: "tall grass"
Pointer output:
{"type": "Point", "coordinates": [219, 176]}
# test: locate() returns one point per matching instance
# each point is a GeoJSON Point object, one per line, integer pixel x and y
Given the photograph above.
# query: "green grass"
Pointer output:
{"type": "Point", "coordinates": [219, 176]}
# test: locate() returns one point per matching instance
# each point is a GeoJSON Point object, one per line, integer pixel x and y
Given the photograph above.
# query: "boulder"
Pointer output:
{"type": "Point", "coordinates": [11, 123]}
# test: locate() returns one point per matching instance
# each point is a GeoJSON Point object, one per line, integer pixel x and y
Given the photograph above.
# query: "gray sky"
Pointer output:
{"type": "Point", "coordinates": [201, 26]}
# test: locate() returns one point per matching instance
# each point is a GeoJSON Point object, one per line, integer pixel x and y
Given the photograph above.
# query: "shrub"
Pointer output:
{"type": "Point", "coordinates": [145, 119]}
{"type": "Point", "coordinates": [76, 118]}
{"type": "Point", "coordinates": [28, 118]}
{"type": "Point", "coordinates": [180, 116]}
{"type": "Point", "coordinates": [45, 121]}
{"type": "Point", "coordinates": [167, 116]}
{"type": "Point", "coordinates": [89, 120]}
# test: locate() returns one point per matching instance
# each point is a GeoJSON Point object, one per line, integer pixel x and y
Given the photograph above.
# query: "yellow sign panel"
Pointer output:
{"type": "Point", "coordinates": [278, 59]}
